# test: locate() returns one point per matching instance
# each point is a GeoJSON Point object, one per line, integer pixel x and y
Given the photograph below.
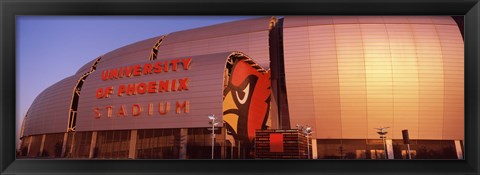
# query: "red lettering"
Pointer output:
{"type": "Point", "coordinates": [108, 91]}
{"type": "Point", "coordinates": [174, 65]}
{"type": "Point", "coordinates": [109, 111]}
{"type": "Point", "coordinates": [122, 112]}
{"type": "Point", "coordinates": [166, 66]}
{"type": "Point", "coordinates": [120, 73]}
{"type": "Point", "coordinates": [186, 63]}
{"type": "Point", "coordinates": [99, 93]}
{"type": "Point", "coordinates": [105, 75]}
{"type": "Point", "coordinates": [137, 70]}
{"type": "Point", "coordinates": [147, 69]}
{"type": "Point", "coordinates": [141, 88]}
{"type": "Point", "coordinates": [121, 90]}
{"type": "Point", "coordinates": [150, 109]}
{"type": "Point", "coordinates": [163, 86]}
{"type": "Point", "coordinates": [128, 71]}
{"type": "Point", "coordinates": [152, 87]}
{"type": "Point", "coordinates": [97, 112]}
{"type": "Point", "coordinates": [183, 84]}
{"type": "Point", "coordinates": [131, 89]}
{"type": "Point", "coordinates": [113, 74]}
{"type": "Point", "coordinates": [157, 68]}
{"type": "Point", "coordinates": [174, 85]}
{"type": "Point", "coordinates": [183, 106]}
{"type": "Point", "coordinates": [136, 110]}
{"type": "Point", "coordinates": [163, 108]}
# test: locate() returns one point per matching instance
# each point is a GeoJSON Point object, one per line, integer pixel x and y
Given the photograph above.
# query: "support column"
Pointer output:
{"type": "Point", "coordinates": [71, 145]}
{"type": "Point", "coordinates": [273, 117]}
{"type": "Point", "coordinates": [183, 143]}
{"type": "Point", "coordinates": [29, 144]}
{"type": "Point", "coordinates": [314, 149]}
{"type": "Point", "coordinates": [458, 148]}
{"type": "Point", "coordinates": [42, 144]}
{"type": "Point", "coordinates": [93, 142]}
{"type": "Point", "coordinates": [132, 150]}
{"type": "Point", "coordinates": [223, 143]}
{"type": "Point", "coordinates": [389, 149]}
{"type": "Point", "coordinates": [231, 151]}
{"type": "Point", "coordinates": [64, 144]}
{"type": "Point", "coordinates": [239, 149]}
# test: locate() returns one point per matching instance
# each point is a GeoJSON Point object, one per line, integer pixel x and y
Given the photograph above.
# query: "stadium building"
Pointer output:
{"type": "Point", "coordinates": [343, 76]}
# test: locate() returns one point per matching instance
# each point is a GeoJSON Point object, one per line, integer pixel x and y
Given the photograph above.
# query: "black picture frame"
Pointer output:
{"type": "Point", "coordinates": [9, 9]}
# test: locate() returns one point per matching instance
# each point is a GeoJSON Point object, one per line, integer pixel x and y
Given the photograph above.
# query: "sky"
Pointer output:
{"type": "Point", "coordinates": [51, 48]}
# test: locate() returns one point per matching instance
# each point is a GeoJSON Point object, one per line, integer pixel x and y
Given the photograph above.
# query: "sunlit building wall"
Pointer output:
{"type": "Point", "coordinates": [343, 76]}
{"type": "Point", "coordinates": [61, 121]}
{"type": "Point", "coordinates": [346, 76]}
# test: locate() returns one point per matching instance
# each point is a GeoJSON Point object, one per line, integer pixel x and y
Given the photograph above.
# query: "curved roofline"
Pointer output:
{"type": "Point", "coordinates": [220, 33]}
{"type": "Point", "coordinates": [248, 59]}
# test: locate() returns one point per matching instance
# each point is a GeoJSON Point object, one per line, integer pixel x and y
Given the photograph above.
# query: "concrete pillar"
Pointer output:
{"type": "Point", "coordinates": [132, 149]}
{"type": "Point", "coordinates": [29, 144]}
{"type": "Point", "coordinates": [231, 151]}
{"type": "Point", "coordinates": [314, 149]}
{"type": "Point", "coordinates": [71, 145]}
{"type": "Point", "coordinates": [183, 143]}
{"type": "Point", "coordinates": [42, 144]}
{"type": "Point", "coordinates": [232, 143]}
{"type": "Point", "coordinates": [64, 144]}
{"type": "Point", "coordinates": [458, 148]}
{"type": "Point", "coordinates": [223, 143]}
{"type": "Point", "coordinates": [239, 149]}
{"type": "Point", "coordinates": [389, 149]}
{"type": "Point", "coordinates": [93, 142]}
{"type": "Point", "coordinates": [273, 118]}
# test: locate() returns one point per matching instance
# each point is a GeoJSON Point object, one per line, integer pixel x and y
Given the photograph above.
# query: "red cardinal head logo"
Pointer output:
{"type": "Point", "coordinates": [246, 100]}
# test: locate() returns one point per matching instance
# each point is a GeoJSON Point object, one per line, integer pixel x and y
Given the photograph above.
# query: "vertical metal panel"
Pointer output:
{"type": "Point", "coordinates": [403, 72]}
{"type": "Point", "coordinates": [298, 76]}
{"type": "Point", "coordinates": [378, 75]}
{"type": "Point", "coordinates": [430, 78]}
{"type": "Point", "coordinates": [453, 54]}
{"type": "Point", "coordinates": [405, 86]}
{"type": "Point", "coordinates": [49, 111]}
{"type": "Point", "coordinates": [325, 80]}
{"type": "Point", "coordinates": [352, 80]}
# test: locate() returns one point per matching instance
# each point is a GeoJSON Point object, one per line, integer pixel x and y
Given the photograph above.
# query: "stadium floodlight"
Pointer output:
{"type": "Point", "coordinates": [307, 130]}
{"type": "Point", "coordinates": [212, 117]}
{"type": "Point", "coordinates": [382, 131]}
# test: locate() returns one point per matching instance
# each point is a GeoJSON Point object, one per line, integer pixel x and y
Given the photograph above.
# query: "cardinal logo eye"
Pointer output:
{"type": "Point", "coordinates": [245, 93]}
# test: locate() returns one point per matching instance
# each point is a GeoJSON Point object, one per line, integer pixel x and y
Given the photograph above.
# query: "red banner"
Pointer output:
{"type": "Point", "coordinates": [276, 142]}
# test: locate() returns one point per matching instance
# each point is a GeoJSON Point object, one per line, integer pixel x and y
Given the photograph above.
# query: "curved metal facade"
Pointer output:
{"type": "Point", "coordinates": [205, 85]}
{"type": "Point", "coordinates": [348, 75]}
{"type": "Point", "coordinates": [204, 95]}
{"type": "Point", "coordinates": [49, 111]}
{"type": "Point", "coordinates": [129, 54]}
{"type": "Point", "coordinates": [248, 36]}
{"type": "Point", "coordinates": [344, 76]}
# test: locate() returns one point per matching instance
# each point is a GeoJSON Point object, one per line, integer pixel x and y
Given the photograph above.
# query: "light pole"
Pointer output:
{"type": "Point", "coordinates": [213, 118]}
{"type": "Point", "coordinates": [307, 130]}
{"type": "Point", "coordinates": [382, 131]}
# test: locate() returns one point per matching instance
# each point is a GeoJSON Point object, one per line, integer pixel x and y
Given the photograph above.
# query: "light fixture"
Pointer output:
{"type": "Point", "coordinates": [213, 118]}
